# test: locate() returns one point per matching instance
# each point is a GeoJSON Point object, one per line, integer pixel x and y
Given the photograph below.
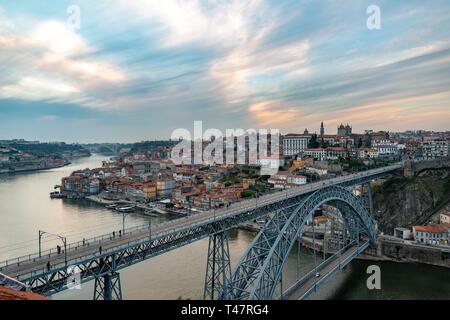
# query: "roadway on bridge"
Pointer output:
{"type": "Point", "coordinates": [24, 268]}
{"type": "Point", "coordinates": [308, 285]}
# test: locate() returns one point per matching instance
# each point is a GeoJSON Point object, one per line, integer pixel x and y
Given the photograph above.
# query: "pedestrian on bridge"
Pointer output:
{"type": "Point", "coordinates": [114, 234]}
{"type": "Point", "coordinates": [58, 248]}
{"type": "Point", "coordinates": [120, 233]}
{"type": "Point", "coordinates": [48, 265]}
{"type": "Point", "coordinates": [100, 249]}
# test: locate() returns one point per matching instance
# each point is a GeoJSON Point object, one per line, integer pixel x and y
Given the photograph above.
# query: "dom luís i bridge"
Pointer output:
{"type": "Point", "coordinates": [257, 275]}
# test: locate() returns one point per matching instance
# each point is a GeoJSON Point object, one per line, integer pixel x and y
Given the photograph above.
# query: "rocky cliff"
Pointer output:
{"type": "Point", "coordinates": [406, 201]}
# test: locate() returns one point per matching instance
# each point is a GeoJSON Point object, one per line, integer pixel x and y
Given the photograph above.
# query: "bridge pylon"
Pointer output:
{"type": "Point", "coordinates": [218, 268]}
{"type": "Point", "coordinates": [107, 287]}
{"type": "Point", "coordinates": [107, 283]}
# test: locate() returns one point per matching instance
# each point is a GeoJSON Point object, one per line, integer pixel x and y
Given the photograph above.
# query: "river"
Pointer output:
{"type": "Point", "coordinates": [26, 208]}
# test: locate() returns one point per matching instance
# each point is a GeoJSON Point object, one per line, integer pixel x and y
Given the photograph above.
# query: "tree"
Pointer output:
{"type": "Point", "coordinates": [248, 194]}
{"type": "Point", "coordinates": [313, 143]}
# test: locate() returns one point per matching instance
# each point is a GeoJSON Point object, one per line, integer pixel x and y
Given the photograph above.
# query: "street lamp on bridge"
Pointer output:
{"type": "Point", "coordinates": [63, 239]}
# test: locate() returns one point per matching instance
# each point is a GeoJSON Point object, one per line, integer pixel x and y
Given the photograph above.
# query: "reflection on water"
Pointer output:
{"type": "Point", "coordinates": [26, 208]}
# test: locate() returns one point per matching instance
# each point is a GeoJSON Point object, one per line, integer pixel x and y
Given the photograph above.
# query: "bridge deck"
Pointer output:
{"type": "Point", "coordinates": [25, 267]}
{"type": "Point", "coordinates": [311, 282]}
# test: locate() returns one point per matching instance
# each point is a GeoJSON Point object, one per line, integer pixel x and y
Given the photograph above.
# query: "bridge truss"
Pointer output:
{"type": "Point", "coordinates": [257, 272]}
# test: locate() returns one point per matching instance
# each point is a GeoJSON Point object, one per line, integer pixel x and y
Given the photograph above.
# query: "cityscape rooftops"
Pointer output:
{"type": "Point", "coordinates": [432, 228]}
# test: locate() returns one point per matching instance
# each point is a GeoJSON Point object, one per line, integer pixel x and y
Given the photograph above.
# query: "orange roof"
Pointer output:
{"type": "Point", "coordinates": [9, 294]}
{"type": "Point", "coordinates": [314, 149]}
{"type": "Point", "coordinates": [432, 229]}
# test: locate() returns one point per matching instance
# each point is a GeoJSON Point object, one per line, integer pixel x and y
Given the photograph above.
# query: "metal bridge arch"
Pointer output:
{"type": "Point", "coordinates": [259, 270]}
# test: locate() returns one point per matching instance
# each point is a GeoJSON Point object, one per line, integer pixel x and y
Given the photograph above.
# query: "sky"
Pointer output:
{"type": "Point", "coordinates": [137, 70]}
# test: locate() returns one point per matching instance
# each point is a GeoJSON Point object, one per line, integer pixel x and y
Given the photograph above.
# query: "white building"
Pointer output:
{"type": "Point", "coordinates": [285, 181]}
{"type": "Point", "coordinates": [295, 143]}
{"type": "Point", "coordinates": [434, 235]}
{"type": "Point", "coordinates": [316, 153]}
{"type": "Point", "coordinates": [386, 150]}
{"type": "Point", "coordinates": [402, 233]}
{"type": "Point", "coordinates": [434, 147]}
{"type": "Point", "coordinates": [445, 217]}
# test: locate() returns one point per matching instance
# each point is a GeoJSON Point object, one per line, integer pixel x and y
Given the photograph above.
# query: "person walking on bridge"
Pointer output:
{"type": "Point", "coordinates": [48, 265]}
{"type": "Point", "coordinates": [100, 249]}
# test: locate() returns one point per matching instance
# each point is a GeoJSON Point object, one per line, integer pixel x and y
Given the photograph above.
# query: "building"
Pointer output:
{"type": "Point", "coordinates": [316, 153]}
{"type": "Point", "coordinates": [270, 164]}
{"type": "Point", "coordinates": [294, 144]}
{"type": "Point", "coordinates": [367, 153]}
{"type": "Point", "coordinates": [386, 150]}
{"type": "Point", "coordinates": [402, 233]}
{"type": "Point", "coordinates": [344, 130]}
{"type": "Point", "coordinates": [285, 180]}
{"type": "Point", "coordinates": [445, 217]}
{"type": "Point", "coordinates": [434, 234]}
{"type": "Point", "coordinates": [248, 182]}
{"type": "Point", "coordinates": [434, 147]}
{"type": "Point", "coordinates": [149, 189]}
{"type": "Point", "coordinates": [164, 188]}
{"type": "Point", "coordinates": [335, 153]}
{"type": "Point", "coordinates": [330, 139]}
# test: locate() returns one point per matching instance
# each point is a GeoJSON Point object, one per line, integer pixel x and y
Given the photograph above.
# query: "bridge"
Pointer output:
{"type": "Point", "coordinates": [414, 167]}
{"type": "Point", "coordinates": [257, 274]}
{"type": "Point", "coordinates": [313, 280]}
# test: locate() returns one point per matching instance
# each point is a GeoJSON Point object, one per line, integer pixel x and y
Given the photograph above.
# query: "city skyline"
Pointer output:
{"type": "Point", "coordinates": [137, 71]}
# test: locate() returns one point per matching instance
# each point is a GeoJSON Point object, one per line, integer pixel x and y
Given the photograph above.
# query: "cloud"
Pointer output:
{"type": "Point", "coordinates": [221, 23]}
{"type": "Point", "coordinates": [53, 62]}
{"type": "Point", "coordinates": [48, 118]}
{"type": "Point", "coordinates": [273, 114]}
{"type": "Point", "coordinates": [287, 64]}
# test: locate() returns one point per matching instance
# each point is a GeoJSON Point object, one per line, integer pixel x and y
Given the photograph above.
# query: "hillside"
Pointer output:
{"type": "Point", "coordinates": [402, 201]}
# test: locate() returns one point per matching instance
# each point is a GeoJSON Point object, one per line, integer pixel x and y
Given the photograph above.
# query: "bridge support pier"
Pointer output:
{"type": "Point", "coordinates": [368, 197]}
{"type": "Point", "coordinates": [218, 268]}
{"type": "Point", "coordinates": [107, 287]}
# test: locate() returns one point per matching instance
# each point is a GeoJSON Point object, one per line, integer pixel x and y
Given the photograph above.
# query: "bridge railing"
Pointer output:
{"type": "Point", "coordinates": [95, 254]}
{"type": "Point", "coordinates": [219, 214]}
{"type": "Point", "coordinates": [49, 252]}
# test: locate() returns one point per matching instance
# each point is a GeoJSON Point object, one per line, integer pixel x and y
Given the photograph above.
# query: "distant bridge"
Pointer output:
{"type": "Point", "coordinates": [257, 274]}
{"type": "Point", "coordinates": [414, 167]}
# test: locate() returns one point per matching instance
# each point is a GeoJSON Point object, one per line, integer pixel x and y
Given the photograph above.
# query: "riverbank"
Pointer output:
{"type": "Point", "coordinates": [34, 169]}
{"type": "Point", "coordinates": [389, 250]}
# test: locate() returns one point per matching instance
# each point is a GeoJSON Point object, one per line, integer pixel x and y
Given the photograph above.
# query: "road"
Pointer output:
{"type": "Point", "coordinates": [309, 284]}
{"type": "Point", "coordinates": [24, 267]}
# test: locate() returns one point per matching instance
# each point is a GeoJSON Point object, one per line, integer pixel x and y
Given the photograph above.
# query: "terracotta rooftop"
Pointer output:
{"type": "Point", "coordinates": [9, 294]}
{"type": "Point", "coordinates": [432, 229]}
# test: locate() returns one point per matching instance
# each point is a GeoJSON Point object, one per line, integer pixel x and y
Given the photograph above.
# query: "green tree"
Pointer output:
{"type": "Point", "coordinates": [248, 194]}
{"type": "Point", "coordinates": [313, 143]}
